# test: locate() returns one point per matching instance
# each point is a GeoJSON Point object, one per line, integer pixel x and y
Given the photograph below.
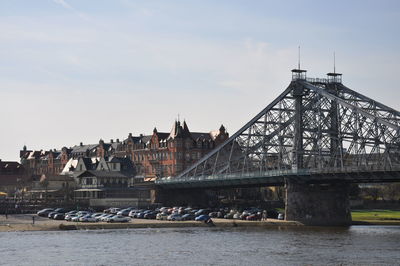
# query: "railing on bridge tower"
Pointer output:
{"type": "Point", "coordinates": [314, 126]}
{"type": "Point", "coordinates": [299, 74]}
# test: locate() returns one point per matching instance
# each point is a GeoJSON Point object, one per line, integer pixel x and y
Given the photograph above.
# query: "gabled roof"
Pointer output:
{"type": "Point", "coordinates": [162, 135]}
{"type": "Point", "coordinates": [103, 174]}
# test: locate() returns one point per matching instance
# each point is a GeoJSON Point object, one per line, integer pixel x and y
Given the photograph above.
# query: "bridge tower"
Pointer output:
{"type": "Point", "coordinates": [315, 204]}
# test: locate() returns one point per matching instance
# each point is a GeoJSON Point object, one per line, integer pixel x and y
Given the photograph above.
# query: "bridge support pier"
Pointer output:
{"type": "Point", "coordinates": [318, 204]}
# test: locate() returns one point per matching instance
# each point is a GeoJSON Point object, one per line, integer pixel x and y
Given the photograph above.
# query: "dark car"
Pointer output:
{"type": "Point", "coordinates": [188, 217]}
{"type": "Point", "coordinates": [51, 214]}
{"type": "Point", "coordinates": [141, 215]}
{"type": "Point", "coordinates": [202, 211]}
{"type": "Point", "coordinates": [44, 212]}
{"type": "Point", "coordinates": [254, 217]}
{"type": "Point", "coordinates": [58, 210]}
{"type": "Point", "coordinates": [59, 216]}
{"type": "Point", "coordinates": [202, 218]}
{"type": "Point", "coordinates": [150, 215]}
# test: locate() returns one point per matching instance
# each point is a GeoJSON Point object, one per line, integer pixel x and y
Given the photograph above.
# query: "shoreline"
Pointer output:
{"type": "Point", "coordinates": [20, 223]}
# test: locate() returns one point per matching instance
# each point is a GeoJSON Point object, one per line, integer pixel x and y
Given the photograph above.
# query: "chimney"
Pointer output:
{"type": "Point", "coordinates": [81, 144]}
{"type": "Point", "coordinates": [117, 140]}
{"type": "Point", "coordinates": [111, 140]}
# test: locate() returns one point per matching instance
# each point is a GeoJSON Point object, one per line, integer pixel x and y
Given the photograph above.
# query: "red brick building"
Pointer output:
{"type": "Point", "coordinates": [160, 154]}
{"type": "Point", "coordinates": [169, 153]}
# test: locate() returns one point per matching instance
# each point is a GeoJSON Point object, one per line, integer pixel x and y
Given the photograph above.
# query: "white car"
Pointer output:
{"type": "Point", "coordinates": [69, 217]}
{"type": "Point", "coordinates": [118, 219]}
{"type": "Point", "coordinates": [105, 218]}
{"type": "Point", "coordinates": [76, 218]}
{"type": "Point", "coordinates": [162, 216]}
{"type": "Point", "coordinates": [174, 217]}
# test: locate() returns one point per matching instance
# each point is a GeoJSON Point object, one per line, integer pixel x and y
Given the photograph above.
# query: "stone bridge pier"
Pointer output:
{"type": "Point", "coordinates": [318, 204]}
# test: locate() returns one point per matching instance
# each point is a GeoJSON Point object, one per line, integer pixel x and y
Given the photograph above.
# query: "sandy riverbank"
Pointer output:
{"type": "Point", "coordinates": [23, 222]}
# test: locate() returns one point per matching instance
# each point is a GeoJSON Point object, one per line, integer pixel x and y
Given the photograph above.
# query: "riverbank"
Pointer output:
{"type": "Point", "coordinates": [376, 217]}
{"type": "Point", "coordinates": [24, 222]}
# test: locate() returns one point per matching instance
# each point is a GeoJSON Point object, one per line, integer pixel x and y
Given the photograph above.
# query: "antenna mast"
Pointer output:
{"type": "Point", "coordinates": [299, 59]}
{"type": "Point", "coordinates": [334, 62]}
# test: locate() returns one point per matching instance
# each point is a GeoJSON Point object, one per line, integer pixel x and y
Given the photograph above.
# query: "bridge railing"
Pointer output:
{"type": "Point", "coordinates": [277, 173]}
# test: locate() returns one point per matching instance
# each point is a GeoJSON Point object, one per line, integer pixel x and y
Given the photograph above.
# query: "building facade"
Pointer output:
{"type": "Point", "coordinates": [111, 170]}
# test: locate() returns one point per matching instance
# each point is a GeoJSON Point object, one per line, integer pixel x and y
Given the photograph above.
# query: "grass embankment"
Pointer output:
{"type": "Point", "coordinates": [381, 217]}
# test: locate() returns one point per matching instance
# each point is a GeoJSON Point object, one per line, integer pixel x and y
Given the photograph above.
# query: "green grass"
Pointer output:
{"type": "Point", "coordinates": [376, 215]}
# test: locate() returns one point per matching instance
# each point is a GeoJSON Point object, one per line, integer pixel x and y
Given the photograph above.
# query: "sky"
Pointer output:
{"type": "Point", "coordinates": [76, 71]}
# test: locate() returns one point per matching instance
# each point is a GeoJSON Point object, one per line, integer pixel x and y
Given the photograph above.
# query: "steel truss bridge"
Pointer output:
{"type": "Point", "coordinates": [316, 131]}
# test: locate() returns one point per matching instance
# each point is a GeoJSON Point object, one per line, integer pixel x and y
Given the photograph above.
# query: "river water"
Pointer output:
{"type": "Point", "coordinates": [356, 245]}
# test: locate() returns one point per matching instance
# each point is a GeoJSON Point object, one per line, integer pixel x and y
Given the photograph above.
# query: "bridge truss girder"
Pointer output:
{"type": "Point", "coordinates": [312, 127]}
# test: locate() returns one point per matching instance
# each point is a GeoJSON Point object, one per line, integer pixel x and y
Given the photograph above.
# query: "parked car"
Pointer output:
{"type": "Point", "coordinates": [124, 212]}
{"type": "Point", "coordinates": [202, 211]}
{"type": "Point", "coordinates": [236, 216]}
{"type": "Point", "coordinates": [202, 217]}
{"type": "Point", "coordinates": [118, 219]}
{"type": "Point", "coordinates": [97, 215]}
{"type": "Point", "coordinates": [162, 216]}
{"type": "Point", "coordinates": [281, 216]}
{"type": "Point", "coordinates": [164, 209]}
{"type": "Point", "coordinates": [254, 217]}
{"type": "Point", "coordinates": [69, 217]}
{"type": "Point", "coordinates": [59, 216]}
{"type": "Point", "coordinates": [51, 214]}
{"type": "Point", "coordinates": [134, 213]}
{"type": "Point", "coordinates": [71, 212]}
{"type": "Point", "coordinates": [229, 215]}
{"type": "Point", "coordinates": [79, 215]}
{"type": "Point", "coordinates": [141, 215]}
{"type": "Point", "coordinates": [150, 215]}
{"type": "Point", "coordinates": [88, 218]}
{"type": "Point", "coordinates": [188, 217]}
{"type": "Point", "coordinates": [76, 218]}
{"type": "Point", "coordinates": [60, 210]}
{"type": "Point", "coordinates": [44, 212]}
{"type": "Point", "coordinates": [174, 217]}
{"type": "Point", "coordinates": [105, 217]}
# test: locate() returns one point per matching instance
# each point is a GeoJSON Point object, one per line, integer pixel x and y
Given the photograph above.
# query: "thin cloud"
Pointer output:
{"type": "Point", "coordinates": [64, 4]}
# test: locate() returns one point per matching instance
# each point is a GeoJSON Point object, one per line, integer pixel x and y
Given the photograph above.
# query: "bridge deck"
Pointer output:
{"type": "Point", "coordinates": [277, 177]}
